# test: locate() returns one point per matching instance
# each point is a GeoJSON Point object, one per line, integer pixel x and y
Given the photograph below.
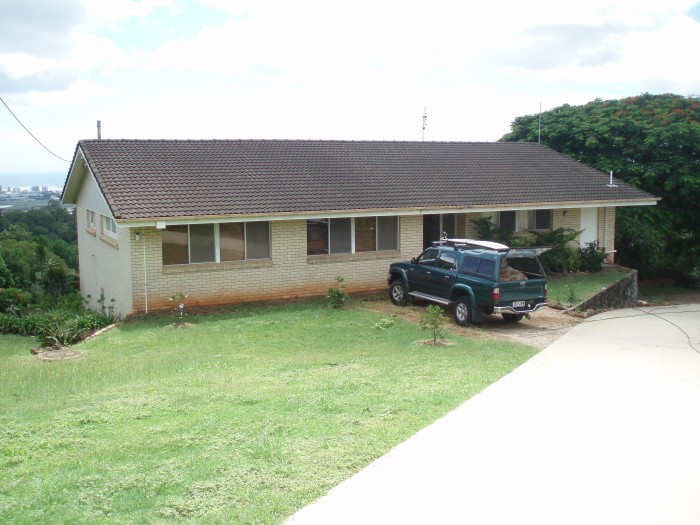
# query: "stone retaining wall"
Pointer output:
{"type": "Point", "coordinates": [619, 295]}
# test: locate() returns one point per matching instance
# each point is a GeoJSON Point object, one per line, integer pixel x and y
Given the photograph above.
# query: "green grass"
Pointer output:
{"type": "Point", "coordinates": [579, 287]}
{"type": "Point", "coordinates": [662, 294]}
{"type": "Point", "coordinates": [243, 418]}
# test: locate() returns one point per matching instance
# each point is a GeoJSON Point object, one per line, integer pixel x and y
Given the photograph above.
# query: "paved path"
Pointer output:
{"type": "Point", "coordinates": [602, 427]}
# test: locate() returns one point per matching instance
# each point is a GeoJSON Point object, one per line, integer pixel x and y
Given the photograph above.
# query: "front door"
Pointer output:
{"type": "Point", "coordinates": [589, 225]}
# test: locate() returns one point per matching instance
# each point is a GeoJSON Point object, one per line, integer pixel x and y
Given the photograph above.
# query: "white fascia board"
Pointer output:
{"type": "Point", "coordinates": [160, 223]}
{"type": "Point", "coordinates": [80, 156]}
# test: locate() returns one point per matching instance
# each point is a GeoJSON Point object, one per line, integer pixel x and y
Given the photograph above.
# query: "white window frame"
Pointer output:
{"type": "Point", "coordinates": [376, 239]}
{"type": "Point", "coordinates": [108, 222]}
{"type": "Point", "coordinates": [217, 245]}
{"type": "Point", "coordinates": [91, 219]}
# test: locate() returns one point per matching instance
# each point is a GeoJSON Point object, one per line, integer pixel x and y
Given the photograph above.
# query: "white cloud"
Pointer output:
{"type": "Point", "coordinates": [361, 70]}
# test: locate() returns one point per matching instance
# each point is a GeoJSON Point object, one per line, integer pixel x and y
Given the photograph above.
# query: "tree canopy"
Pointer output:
{"type": "Point", "coordinates": [649, 141]}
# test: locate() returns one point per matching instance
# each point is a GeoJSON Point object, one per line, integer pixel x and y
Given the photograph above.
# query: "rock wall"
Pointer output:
{"type": "Point", "coordinates": [619, 295]}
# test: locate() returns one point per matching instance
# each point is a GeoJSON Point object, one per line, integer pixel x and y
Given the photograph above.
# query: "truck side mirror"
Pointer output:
{"type": "Point", "coordinates": [413, 260]}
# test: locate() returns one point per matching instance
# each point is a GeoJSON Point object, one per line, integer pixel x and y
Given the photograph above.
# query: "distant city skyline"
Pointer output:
{"type": "Point", "coordinates": [27, 180]}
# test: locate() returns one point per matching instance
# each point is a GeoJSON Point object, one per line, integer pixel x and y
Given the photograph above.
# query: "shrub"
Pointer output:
{"type": "Point", "coordinates": [337, 297]}
{"type": "Point", "coordinates": [592, 256]}
{"type": "Point", "coordinates": [433, 321]}
{"type": "Point", "coordinates": [57, 327]}
{"type": "Point", "coordinates": [486, 230]}
{"type": "Point", "coordinates": [640, 245]}
{"type": "Point", "coordinates": [561, 258]}
{"type": "Point", "coordinates": [13, 300]}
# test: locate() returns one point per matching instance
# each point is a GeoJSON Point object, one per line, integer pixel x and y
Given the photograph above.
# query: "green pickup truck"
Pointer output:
{"type": "Point", "coordinates": [474, 278]}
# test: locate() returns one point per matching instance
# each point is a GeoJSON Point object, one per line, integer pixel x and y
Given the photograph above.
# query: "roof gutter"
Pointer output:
{"type": "Point", "coordinates": [160, 222]}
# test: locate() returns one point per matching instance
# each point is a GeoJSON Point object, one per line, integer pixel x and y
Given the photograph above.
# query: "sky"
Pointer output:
{"type": "Point", "coordinates": [313, 69]}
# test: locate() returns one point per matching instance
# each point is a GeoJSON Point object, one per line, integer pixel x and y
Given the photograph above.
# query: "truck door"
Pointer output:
{"type": "Point", "coordinates": [421, 275]}
{"type": "Point", "coordinates": [444, 275]}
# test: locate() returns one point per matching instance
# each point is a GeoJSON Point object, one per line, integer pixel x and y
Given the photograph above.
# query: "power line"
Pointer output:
{"type": "Point", "coordinates": [30, 133]}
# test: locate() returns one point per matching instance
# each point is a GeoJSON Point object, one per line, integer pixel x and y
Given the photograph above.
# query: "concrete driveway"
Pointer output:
{"type": "Point", "coordinates": [601, 427]}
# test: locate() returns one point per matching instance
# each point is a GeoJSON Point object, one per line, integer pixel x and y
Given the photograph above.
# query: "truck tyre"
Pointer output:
{"type": "Point", "coordinates": [512, 318]}
{"type": "Point", "coordinates": [397, 293]}
{"type": "Point", "coordinates": [463, 311]}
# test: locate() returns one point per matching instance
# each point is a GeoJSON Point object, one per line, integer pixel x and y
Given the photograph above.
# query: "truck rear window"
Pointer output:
{"type": "Point", "coordinates": [527, 265]}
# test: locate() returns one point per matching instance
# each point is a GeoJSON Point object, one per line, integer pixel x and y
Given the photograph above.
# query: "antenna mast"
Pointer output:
{"type": "Point", "coordinates": [425, 119]}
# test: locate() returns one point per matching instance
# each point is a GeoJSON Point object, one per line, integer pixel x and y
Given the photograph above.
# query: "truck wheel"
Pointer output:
{"type": "Point", "coordinates": [463, 311]}
{"type": "Point", "coordinates": [512, 318]}
{"type": "Point", "coordinates": [397, 293]}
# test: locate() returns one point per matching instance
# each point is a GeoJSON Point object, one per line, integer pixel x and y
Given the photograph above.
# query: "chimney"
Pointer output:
{"type": "Point", "coordinates": [99, 130]}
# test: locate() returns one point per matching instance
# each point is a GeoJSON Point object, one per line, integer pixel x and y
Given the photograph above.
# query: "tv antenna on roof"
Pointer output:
{"type": "Point", "coordinates": [425, 119]}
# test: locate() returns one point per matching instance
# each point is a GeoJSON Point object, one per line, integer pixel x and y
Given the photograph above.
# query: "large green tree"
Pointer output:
{"type": "Point", "coordinates": [649, 141]}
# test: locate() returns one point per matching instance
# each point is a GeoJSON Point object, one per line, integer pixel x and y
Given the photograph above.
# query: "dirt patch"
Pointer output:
{"type": "Point", "coordinates": [543, 328]}
{"type": "Point", "coordinates": [181, 325]}
{"type": "Point", "coordinates": [56, 353]}
{"type": "Point", "coordinates": [430, 342]}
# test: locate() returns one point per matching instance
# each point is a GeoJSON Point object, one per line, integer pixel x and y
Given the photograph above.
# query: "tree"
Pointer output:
{"type": "Point", "coordinates": [651, 142]}
{"type": "Point", "coordinates": [433, 321]}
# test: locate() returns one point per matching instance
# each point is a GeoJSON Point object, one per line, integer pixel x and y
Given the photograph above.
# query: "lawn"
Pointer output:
{"type": "Point", "coordinates": [575, 288]}
{"type": "Point", "coordinates": [243, 417]}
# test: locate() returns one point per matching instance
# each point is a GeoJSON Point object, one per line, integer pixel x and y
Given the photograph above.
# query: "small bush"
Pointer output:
{"type": "Point", "coordinates": [383, 324]}
{"type": "Point", "coordinates": [562, 257]}
{"type": "Point", "coordinates": [433, 321]}
{"type": "Point", "coordinates": [591, 257]}
{"type": "Point", "coordinates": [57, 327]}
{"type": "Point", "coordinates": [337, 297]}
{"type": "Point", "coordinates": [13, 300]}
{"type": "Point", "coordinates": [486, 230]}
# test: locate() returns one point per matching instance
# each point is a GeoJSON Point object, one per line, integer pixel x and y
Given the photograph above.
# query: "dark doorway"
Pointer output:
{"type": "Point", "coordinates": [431, 229]}
{"type": "Point", "coordinates": [436, 225]}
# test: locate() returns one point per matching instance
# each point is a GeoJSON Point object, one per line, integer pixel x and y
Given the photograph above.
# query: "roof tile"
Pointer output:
{"type": "Point", "coordinates": [144, 179]}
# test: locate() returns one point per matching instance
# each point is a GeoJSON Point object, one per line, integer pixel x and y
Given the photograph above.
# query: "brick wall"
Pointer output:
{"type": "Point", "coordinates": [104, 264]}
{"type": "Point", "coordinates": [289, 273]}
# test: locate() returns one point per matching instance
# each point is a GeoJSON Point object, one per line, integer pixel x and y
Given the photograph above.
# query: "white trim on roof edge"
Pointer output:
{"type": "Point", "coordinates": [161, 222]}
{"type": "Point", "coordinates": [79, 155]}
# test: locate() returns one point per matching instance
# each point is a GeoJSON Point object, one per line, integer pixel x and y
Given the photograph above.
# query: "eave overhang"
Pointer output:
{"type": "Point", "coordinates": [161, 222]}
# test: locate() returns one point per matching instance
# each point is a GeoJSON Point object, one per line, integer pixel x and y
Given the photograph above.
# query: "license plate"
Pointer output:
{"type": "Point", "coordinates": [518, 304]}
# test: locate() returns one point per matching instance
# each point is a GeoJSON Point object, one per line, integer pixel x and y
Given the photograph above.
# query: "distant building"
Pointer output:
{"type": "Point", "coordinates": [44, 189]}
{"type": "Point", "coordinates": [35, 188]}
{"type": "Point", "coordinates": [16, 190]}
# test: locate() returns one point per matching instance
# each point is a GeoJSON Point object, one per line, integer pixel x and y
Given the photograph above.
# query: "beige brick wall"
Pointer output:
{"type": "Point", "coordinates": [465, 224]}
{"type": "Point", "coordinates": [105, 264]}
{"type": "Point", "coordinates": [568, 218]}
{"type": "Point", "coordinates": [289, 273]}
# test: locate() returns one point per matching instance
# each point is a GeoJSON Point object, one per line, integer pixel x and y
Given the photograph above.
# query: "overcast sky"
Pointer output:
{"type": "Point", "coordinates": [313, 69]}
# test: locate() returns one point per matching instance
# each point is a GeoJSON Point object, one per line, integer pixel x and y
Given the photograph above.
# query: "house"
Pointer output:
{"type": "Point", "coordinates": [228, 221]}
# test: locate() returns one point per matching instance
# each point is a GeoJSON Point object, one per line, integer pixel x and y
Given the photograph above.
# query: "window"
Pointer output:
{"type": "Point", "coordinates": [213, 243]}
{"type": "Point", "coordinates": [446, 260]}
{"type": "Point", "coordinates": [352, 235]}
{"type": "Point", "coordinates": [470, 264]}
{"type": "Point", "coordinates": [429, 257]}
{"type": "Point", "coordinates": [506, 221]}
{"type": "Point", "coordinates": [91, 219]}
{"type": "Point", "coordinates": [487, 268]}
{"type": "Point", "coordinates": [110, 227]}
{"type": "Point", "coordinates": [202, 243]}
{"type": "Point", "coordinates": [543, 220]}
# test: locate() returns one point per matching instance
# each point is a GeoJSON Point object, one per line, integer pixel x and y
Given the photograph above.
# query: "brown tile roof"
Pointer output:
{"type": "Point", "coordinates": [144, 179]}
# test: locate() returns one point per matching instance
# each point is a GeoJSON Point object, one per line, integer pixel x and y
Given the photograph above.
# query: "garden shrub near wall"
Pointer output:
{"type": "Point", "coordinates": [592, 256]}
{"type": "Point", "coordinates": [61, 327]}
